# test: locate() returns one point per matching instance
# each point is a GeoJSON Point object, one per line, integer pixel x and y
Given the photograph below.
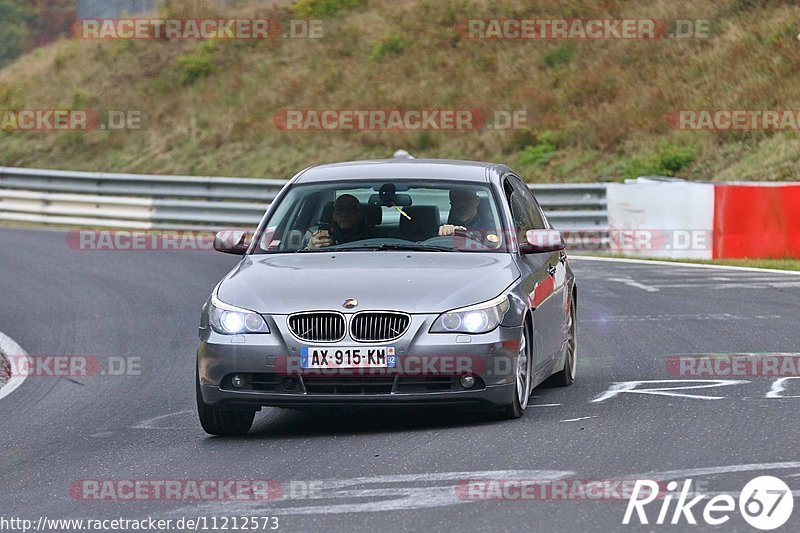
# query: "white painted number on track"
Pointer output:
{"type": "Point", "coordinates": [632, 387]}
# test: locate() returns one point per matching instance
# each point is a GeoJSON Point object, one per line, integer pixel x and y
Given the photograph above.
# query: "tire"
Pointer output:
{"type": "Point", "coordinates": [222, 422]}
{"type": "Point", "coordinates": [566, 376]}
{"type": "Point", "coordinates": [522, 386]}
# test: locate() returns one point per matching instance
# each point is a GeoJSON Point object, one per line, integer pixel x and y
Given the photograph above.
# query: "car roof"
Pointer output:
{"type": "Point", "coordinates": [439, 169]}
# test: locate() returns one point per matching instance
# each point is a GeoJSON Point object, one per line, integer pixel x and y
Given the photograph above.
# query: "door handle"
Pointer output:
{"type": "Point", "coordinates": [551, 269]}
{"type": "Point", "coordinates": [562, 258]}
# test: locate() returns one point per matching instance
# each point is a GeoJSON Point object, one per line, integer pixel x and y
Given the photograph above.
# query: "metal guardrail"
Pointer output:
{"type": "Point", "coordinates": [140, 201]}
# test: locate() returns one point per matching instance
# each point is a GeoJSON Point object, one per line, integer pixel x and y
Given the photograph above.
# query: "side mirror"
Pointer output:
{"type": "Point", "coordinates": [543, 240]}
{"type": "Point", "coordinates": [232, 242]}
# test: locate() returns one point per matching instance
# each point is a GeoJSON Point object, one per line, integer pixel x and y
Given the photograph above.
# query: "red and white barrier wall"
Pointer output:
{"type": "Point", "coordinates": [684, 220]}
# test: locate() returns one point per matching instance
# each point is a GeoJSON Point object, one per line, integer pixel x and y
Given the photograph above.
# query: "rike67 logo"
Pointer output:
{"type": "Point", "coordinates": [765, 503]}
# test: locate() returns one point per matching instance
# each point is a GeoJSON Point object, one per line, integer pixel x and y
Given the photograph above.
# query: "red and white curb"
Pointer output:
{"type": "Point", "coordinates": [686, 220]}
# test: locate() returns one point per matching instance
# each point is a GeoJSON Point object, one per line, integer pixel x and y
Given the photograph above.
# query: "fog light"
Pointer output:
{"type": "Point", "coordinates": [289, 383]}
{"type": "Point", "coordinates": [237, 381]}
{"type": "Point", "coordinates": [467, 382]}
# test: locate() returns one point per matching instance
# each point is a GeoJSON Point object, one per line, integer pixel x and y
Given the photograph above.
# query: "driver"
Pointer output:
{"type": "Point", "coordinates": [348, 224]}
{"type": "Point", "coordinates": [464, 213]}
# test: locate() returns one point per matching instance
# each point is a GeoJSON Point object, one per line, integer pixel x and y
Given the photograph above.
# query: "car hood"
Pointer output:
{"type": "Point", "coordinates": [414, 282]}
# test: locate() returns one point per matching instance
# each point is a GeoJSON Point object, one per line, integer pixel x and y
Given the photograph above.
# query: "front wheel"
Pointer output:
{"type": "Point", "coordinates": [522, 383]}
{"type": "Point", "coordinates": [222, 422]}
{"type": "Point", "coordinates": [566, 376]}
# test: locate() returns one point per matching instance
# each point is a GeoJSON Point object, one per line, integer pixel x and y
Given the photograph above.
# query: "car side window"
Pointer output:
{"type": "Point", "coordinates": [531, 206]}
{"type": "Point", "coordinates": [524, 210]}
{"type": "Point", "coordinates": [519, 210]}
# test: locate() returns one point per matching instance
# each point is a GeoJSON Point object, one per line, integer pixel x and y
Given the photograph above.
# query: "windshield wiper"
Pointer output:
{"type": "Point", "coordinates": [414, 247]}
{"type": "Point", "coordinates": [411, 247]}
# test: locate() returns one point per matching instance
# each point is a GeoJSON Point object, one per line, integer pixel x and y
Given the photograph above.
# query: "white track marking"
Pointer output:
{"type": "Point", "coordinates": [778, 387]}
{"type": "Point", "coordinates": [660, 318]}
{"type": "Point", "coordinates": [755, 284]}
{"type": "Point", "coordinates": [11, 348]}
{"type": "Point", "coordinates": [148, 424]}
{"type": "Point", "coordinates": [687, 265]}
{"type": "Point", "coordinates": [632, 283]}
{"type": "Point", "coordinates": [629, 387]}
{"type": "Point", "coordinates": [545, 405]}
{"type": "Point", "coordinates": [705, 471]}
{"type": "Point", "coordinates": [373, 493]}
{"type": "Point", "coordinates": [383, 493]}
{"type": "Point", "coordinates": [579, 418]}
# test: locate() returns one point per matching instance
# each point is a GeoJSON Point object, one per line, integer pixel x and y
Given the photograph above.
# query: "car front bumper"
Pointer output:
{"type": "Point", "coordinates": [428, 370]}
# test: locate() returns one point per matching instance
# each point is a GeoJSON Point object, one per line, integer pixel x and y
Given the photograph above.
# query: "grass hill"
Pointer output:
{"type": "Point", "coordinates": [596, 109]}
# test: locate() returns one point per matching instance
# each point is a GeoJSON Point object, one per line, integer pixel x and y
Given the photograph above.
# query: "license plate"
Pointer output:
{"type": "Point", "coordinates": [347, 357]}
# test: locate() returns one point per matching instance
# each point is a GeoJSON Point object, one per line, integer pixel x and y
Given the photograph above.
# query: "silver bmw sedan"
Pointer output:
{"type": "Point", "coordinates": [397, 282]}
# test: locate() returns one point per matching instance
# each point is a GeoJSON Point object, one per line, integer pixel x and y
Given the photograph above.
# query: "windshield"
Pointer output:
{"type": "Point", "coordinates": [381, 215]}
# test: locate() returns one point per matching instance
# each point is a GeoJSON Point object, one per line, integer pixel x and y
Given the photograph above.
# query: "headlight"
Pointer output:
{"type": "Point", "coordinates": [480, 318]}
{"type": "Point", "coordinates": [230, 320]}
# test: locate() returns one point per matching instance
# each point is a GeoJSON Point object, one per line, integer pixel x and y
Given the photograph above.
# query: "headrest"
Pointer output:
{"type": "Point", "coordinates": [373, 214]}
{"type": "Point", "coordinates": [424, 222]}
{"type": "Point", "coordinates": [327, 213]}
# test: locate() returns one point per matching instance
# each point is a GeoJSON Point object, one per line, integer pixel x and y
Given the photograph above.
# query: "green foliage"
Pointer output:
{"type": "Point", "coordinates": [12, 96]}
{"type": "Point", "coordinates": [392, 45]}
{"type": "Point", "coordinates": [562, 55]}
{"type": "Point", "coordinates": [542, 152]}
{"type": "Point", "coordinates": [198, 65]}
{"type": "Point", "coordinates": [424, 140]}
{"type": "Point", "coordinates": [520, 139]}
{"type": "Point", "coordinates": [537, 156]}
{"type": "Point", "coordinates": [675, 158]}
{"type": "Point", "coordinates": [324, 8]}
{"type": "Point", "coordinates": [668, 160]}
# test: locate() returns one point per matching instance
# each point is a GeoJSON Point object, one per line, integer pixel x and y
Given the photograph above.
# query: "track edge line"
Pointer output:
{"type": "Point", "coordinates": [680, 264]}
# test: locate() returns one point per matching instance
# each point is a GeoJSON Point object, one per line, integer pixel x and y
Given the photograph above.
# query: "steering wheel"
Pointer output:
{"type": "Point", "coordinates": [447, 239]}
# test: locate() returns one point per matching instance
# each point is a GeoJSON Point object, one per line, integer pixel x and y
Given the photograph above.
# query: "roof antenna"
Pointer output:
{"type": "Point", "coordinates": [402, 154]}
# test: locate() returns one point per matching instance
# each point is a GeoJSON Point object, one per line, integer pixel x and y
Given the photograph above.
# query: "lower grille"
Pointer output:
{"type": "Point", "coordinates": [427, 384]}
{"type": "Point", "coordinates": [378, 326]}
{"type": "Point", "coordinates": [264, 382]}
{"type": "Point", "coordinates": [317, 326]}
{"type": "Point", "coordinates": [349, 385]}
{"type": "Point", "coordinates": [420, 384]}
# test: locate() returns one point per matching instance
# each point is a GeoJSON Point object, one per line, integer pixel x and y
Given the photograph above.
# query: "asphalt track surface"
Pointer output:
{"type": "Point", "coordinates": [377, 470]}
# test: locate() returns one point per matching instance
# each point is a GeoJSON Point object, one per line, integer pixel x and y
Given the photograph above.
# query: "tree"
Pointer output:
{"type": "Point", "coordinates": [14, 33]}
{"type": "Point", "coordinates": [26, 25]}
{"type": "Point", "coordinates": [51, 19]}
